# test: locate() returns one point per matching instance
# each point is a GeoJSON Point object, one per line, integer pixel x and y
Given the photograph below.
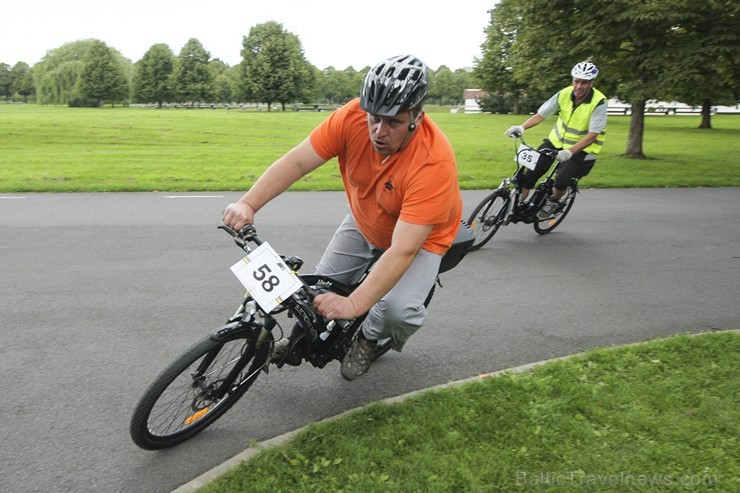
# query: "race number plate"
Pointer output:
{"type": "Point", "coordinates": [527, 157]}
{"type": "Point", "coordinates": [266, 276]}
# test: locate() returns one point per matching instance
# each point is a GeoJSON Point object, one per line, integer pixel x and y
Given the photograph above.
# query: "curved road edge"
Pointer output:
{"type": "Point", "coordinates": [213, 474]}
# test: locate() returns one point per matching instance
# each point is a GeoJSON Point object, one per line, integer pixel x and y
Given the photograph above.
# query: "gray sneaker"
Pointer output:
{"type": "Point", "coordinates": [357, 360]}
{"type": "Point", "coordinates": [548, 209]}
{"type": "Point", "coordinates": [279, 349]}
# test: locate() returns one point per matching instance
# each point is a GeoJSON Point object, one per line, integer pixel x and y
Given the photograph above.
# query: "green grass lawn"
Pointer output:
{"type": "Point", "coordinates": [658, 416]}
{"type": "Point", "coordinates": [611, 420]}
{"type": "Point", "coordinates": [60, 149]}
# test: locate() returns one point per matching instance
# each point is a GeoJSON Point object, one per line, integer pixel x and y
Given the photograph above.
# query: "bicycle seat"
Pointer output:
{"type": "Point", "coordinates": [459, 248]}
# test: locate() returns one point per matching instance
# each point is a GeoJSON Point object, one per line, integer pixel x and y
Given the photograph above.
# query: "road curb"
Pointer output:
{"type": "Point", "coordinates": [232, 463]}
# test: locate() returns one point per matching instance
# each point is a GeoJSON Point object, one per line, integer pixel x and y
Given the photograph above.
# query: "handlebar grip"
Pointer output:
{"type": "Point", "coordinates": [243, 236]}
{"type": "Point", "coordinates": [227, 229]}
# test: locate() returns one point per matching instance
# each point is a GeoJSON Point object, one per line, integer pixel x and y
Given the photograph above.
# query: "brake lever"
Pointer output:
{"type": "Point", "coordinates": [237, 237]}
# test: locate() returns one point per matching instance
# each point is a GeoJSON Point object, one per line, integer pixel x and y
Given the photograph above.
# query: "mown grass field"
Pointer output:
{"type": "Point", "coordinates": [60, 149]}
{"type": "Point", "coordinates": [661, 417]}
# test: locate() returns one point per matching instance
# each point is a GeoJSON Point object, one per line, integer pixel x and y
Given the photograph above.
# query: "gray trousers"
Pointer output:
{"type": "Point", "coordinates": [401, 311]}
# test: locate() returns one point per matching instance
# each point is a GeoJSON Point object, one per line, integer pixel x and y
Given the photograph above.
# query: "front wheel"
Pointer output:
{"type": "Point", "coordinates": [198, 388]}
{"type": "Point", "coordinates": [547, 225]}
{"type": "Point", "coordinates": [487, 217]}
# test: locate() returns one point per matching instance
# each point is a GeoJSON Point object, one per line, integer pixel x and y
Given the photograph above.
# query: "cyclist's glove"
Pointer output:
{"type": "Point", "coordinates": [515, 131]}
{"type": "Point", "coordinates": [564, 155]}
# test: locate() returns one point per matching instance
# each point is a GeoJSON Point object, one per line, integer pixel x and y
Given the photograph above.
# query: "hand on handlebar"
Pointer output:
{"type": "Point", "coordinates": [334, 307]}
{"type": "Point", "coordinates": [563, 155]}
{"type": "Point", "coordinates": [238, 215]}
{"type": "Point", "coordinates": [515, 131]}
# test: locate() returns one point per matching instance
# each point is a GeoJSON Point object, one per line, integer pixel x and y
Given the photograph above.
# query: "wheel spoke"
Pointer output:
{"type": "Point", "coordinates": [190, 394]}
{"type": "Point", "coordinates": [487, 218]}
{"type": "Point", "coordinates": [566, 203]}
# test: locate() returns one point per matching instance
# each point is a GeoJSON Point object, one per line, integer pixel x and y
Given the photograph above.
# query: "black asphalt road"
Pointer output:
{"type": "Point", "coordinates": [100, 291]}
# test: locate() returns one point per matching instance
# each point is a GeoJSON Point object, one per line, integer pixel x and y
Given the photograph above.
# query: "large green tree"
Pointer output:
{"type": "Point", "coordinates": [103, 79]}
{"type": "Point", "coordinates": [495, 69]}
{"type": "Point", "coordinates": [21, 81]}
{"type": "Point", "coordinates": [152, 76]}
{"type": "Point", "coordinates": [58, 76]}
{"type": "Point", "coordinates": [442, 88]}
{"type": "Point", "coordinates": [705, 57]}
{"type": "Point", "coordinates": [338, 86]}
{"type": "Point", "coordinates": [192, 79]}
{"type": "Point", "coordinates": [632, 41]}
{"type": "Point", "coordinates": [225, 80]}
{"type": "Point", "coordinates": [274, 68]}
{"type": "Point", "coordinates": [5, 80]}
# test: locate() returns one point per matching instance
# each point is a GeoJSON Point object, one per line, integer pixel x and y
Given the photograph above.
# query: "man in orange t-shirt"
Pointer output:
{"type": "Point", "coordinates": [400, 176]}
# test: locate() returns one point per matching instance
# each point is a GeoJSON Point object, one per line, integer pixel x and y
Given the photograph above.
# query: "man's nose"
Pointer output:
{"type": "Point", "coordinates": [379, 127]}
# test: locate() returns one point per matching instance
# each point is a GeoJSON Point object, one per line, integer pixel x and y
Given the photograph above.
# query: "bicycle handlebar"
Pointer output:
{"type": "Point", "coordinates": [249, 233]}
{"type": "Point", "coordinates": [243, 236]}
{"type": "Point", "coordinates": [546, 151]}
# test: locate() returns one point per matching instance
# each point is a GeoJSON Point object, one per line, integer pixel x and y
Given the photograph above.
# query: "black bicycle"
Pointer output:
{"type": "Point", "coordinates": [504, 206]}
{"type": "Point", "coordinates": [207, 379]}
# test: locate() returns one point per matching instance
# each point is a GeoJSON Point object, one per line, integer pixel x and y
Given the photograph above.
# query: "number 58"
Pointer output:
{"type": "Point", "coordinates": [268, 283]}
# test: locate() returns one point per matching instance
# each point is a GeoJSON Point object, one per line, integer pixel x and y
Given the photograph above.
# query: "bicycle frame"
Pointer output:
{"type": "Point", "coordinates": [525, 211]}
{"type": "Point", "coordinates": [202, 384]}
{"type": "Point", "coordinates": [504, 205]}
{"type": "Point", "coordinates": [320, 340]}
{"type": "Point", "coordinates": [317, 351]}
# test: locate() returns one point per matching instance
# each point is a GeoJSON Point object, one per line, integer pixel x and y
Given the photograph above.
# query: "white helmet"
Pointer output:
{"type": "Point", "coordinates": [585, 71]}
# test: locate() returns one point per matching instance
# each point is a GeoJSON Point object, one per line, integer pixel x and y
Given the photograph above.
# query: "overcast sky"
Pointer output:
{"type": "Point", "coordinates": [338, 33]}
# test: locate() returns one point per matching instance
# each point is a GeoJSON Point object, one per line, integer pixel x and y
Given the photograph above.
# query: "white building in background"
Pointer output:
{"type": "Point", "coordinates": [471, 97]}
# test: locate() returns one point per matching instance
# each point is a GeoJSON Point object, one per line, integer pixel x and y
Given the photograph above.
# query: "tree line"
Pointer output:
{"type": "Point", "coordinates": [669, 50]}
{"type": "Point", "coordinates": [273, 71]}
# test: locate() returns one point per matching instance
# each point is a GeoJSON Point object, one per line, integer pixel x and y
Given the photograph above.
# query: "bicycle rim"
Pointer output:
{"type": "Point", "coordinates": [547, 225]}
{"type": "Point", "coordinates": [184, 399]}
{"type": "Point", "coordinates": [487, 218]}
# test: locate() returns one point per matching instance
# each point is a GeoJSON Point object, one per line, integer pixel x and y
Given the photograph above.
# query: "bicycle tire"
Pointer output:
{"type": "Point", "coordinates": [547, 225]}
{"type": "Point", "coordinates": [176, 406]}
{"type": "Point", "coordinates": [487, 217]}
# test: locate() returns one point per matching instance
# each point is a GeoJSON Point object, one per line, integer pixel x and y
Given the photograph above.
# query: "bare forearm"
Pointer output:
{"type": "Point", "coordinates": [533, 121]}
{"type": "Point", "coordinates": [274, 181]}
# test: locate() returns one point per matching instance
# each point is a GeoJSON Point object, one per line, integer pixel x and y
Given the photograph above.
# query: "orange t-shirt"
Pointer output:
{"type": "Point", "coordinates": [417, 185]}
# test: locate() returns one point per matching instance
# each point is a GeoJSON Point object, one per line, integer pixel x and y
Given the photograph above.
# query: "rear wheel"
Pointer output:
{"type": "Point", "coordinates": [198, 388]}
{"type": "Point", "coordinates": [487, 217]}
{"type": "Point", "coordinates": [547, 225]}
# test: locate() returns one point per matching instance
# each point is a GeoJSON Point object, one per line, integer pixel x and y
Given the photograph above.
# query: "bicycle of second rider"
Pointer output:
{"type": "Point", "coordinates": [504, 205]}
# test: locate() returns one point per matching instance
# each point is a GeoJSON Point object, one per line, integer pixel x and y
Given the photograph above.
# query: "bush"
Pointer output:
{"type": "Point", "coordinates": [504, 103]}
{"type": "Point", "coordinates": [82, 102]}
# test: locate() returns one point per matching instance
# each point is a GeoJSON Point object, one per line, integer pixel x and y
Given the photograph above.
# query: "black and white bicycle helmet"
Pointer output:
{"type": "Point", "coordinates": [396, 84]}
{"type": "Point", "coordinates": [585, 71]}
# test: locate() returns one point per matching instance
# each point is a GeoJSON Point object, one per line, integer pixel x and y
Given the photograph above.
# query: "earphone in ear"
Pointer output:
{"type": "Point", "coordinates": [412, 127]}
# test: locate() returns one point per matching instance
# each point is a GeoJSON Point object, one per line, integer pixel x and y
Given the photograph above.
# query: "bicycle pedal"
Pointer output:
{"type": "Point", "coordinates": [294, 355]}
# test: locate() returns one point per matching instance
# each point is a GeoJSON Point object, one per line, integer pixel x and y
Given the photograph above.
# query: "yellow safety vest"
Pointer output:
{"type": "Point", "coordinates": [572, 124]}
